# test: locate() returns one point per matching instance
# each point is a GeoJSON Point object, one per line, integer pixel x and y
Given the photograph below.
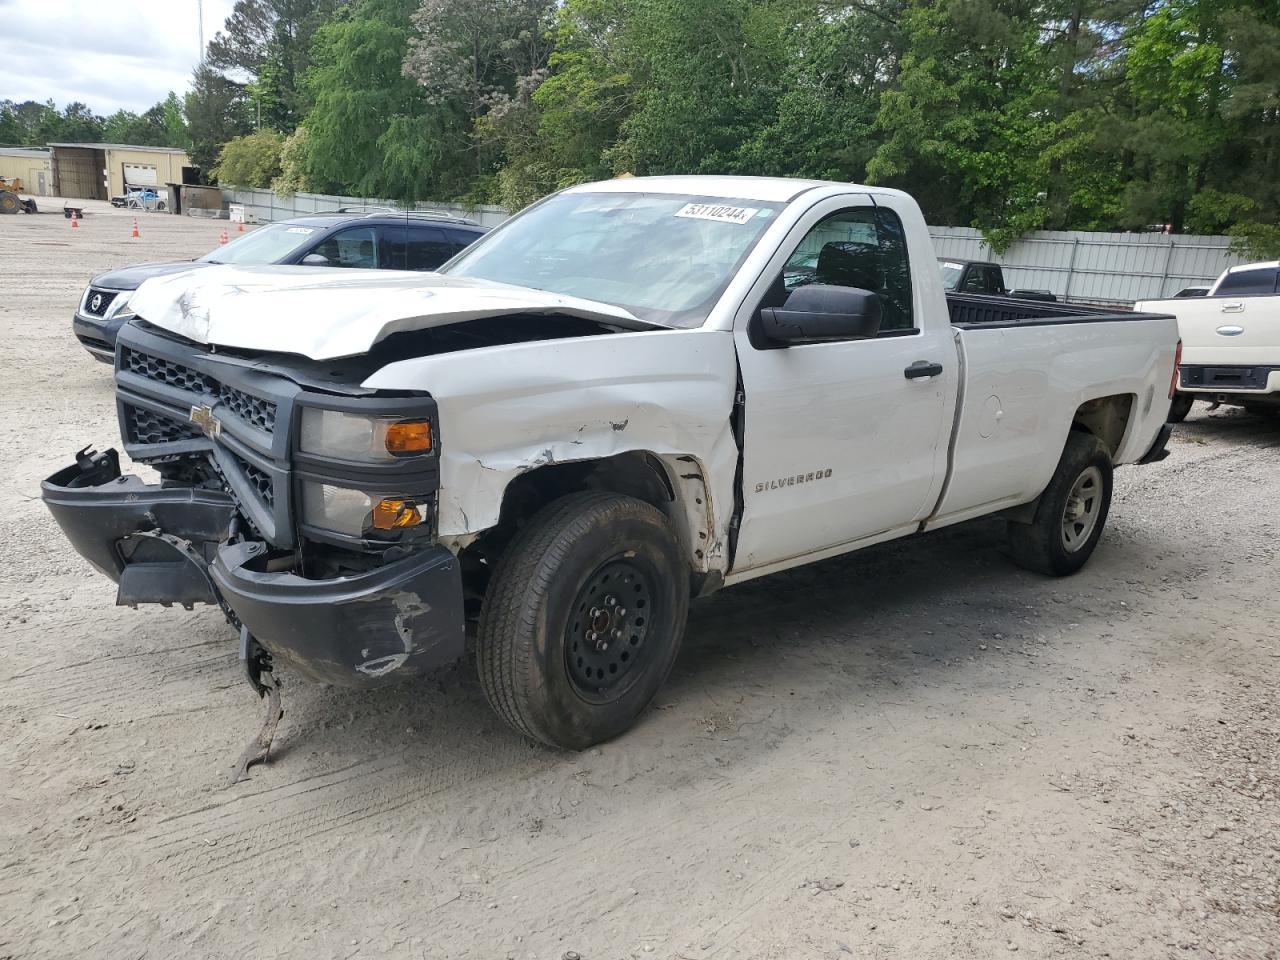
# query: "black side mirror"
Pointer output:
{"type": "Point", "coordinates": [817, 311]}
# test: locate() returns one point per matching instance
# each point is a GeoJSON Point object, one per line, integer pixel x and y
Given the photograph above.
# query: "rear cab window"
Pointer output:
{"type": "Point", "coordinates": [1249, 283]}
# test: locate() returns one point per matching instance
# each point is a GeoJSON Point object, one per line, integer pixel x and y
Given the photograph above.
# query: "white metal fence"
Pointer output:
{"type": "Point", "coordinates": [263, 206]}
{"type": "Point", "coordinates": [1085, 267]}
{"type": "Point", "coordinates": [1097, 267]}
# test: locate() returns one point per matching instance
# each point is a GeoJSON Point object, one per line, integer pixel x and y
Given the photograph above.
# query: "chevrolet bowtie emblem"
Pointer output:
{"type": "Point", "coordinates": [203, 418]}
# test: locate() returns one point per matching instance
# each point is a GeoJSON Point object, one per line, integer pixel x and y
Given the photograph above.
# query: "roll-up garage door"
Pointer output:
{"type": "Point", "coordinates": [140, 175]}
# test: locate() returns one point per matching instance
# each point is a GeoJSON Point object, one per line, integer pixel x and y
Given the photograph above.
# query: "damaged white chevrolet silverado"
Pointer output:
{"type": "Point", "coordinates": [631, 393]}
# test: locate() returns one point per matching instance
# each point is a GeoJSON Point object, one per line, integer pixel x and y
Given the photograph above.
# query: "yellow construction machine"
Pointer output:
{"type": "Point", "coordinates": [10, 202]}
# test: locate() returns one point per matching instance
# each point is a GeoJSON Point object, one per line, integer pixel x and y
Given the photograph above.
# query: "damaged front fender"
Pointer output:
{"type": "Point", "coordinates": [506, 410]}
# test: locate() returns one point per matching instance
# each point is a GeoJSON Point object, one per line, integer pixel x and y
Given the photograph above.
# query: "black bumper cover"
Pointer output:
{"type": "Point", "coordinates": [397, 620]}
{"type": "Point", "coordinates": [169, 545]}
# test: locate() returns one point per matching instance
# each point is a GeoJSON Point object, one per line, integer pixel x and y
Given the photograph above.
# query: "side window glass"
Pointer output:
{"type": "Point", "coordinates": [427, 249]}
{"type": "Point", "coordinates": [895, 268]}
{"type": "Point", "coordinates": [840, 250]}
{"type": "Point", "coordinates": [975, 281]}
{"type": "Point", "coordinates": [1248, 283]}
{"type": "Point", "coordinates": [393, 246]}
{"type": "Point", "coordinates": [864, 248]}
{"type": "Point", "coordinates": [349, 248]}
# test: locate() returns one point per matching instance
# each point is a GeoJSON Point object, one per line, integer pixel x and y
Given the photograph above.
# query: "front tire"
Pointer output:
{"type": "Point", "coordinates": [1071, 512]}
{"type": "Point", "coordinates": [583, 619]}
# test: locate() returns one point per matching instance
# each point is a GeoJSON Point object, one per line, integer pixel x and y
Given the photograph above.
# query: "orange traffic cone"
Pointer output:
{"type": "Point", "coordinates": [240, 227]}
{"type": "Point", "coordinates": [75, 221]}
{"type": "Point", "coordinates": [135, 228]}
{"type": "Point", "coordinates": [224, 238]}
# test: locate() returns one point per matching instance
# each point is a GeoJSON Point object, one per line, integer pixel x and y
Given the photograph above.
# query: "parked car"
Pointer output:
{"type": "Point", "coordinates": [609, 404]}
{"type": "Point", "coordinates": [982, 276]}
{"type": "Point", "coordinates": [400, 241]}
{"type": "Point", "coordinates": [142, 198]}
{"type": "Point", "coordinates": [1230, 341]}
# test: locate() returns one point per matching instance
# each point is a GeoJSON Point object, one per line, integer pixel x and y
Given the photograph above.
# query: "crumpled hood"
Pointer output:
{"type": "Point", "coordinates": [324, 313]}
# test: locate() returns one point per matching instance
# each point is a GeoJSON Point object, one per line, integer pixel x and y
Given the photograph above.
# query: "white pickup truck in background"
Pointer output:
{"type": "Point", "coordinates": [631, 393]}
{"type": "Point", "coordinates": [1230, 341]}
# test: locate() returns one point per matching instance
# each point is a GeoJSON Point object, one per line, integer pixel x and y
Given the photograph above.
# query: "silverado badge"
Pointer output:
{"type": "Point", "coordinates": [203, 418]}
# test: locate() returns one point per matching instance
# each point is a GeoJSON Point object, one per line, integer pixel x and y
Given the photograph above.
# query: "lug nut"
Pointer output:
{"type": "Point", "coordinates": [620, 612]}
{"type": "Point", "coordinates": [609, 601]}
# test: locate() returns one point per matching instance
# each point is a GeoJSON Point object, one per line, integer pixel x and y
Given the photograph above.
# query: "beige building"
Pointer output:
{"type": "Point", "coordinates": [33, 167]}
{"type": "Point", "coordinates": [100, 171]}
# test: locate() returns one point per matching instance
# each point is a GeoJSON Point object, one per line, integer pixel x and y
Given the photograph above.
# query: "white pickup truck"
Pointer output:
{"type": "Point", "coordinates": [1230, 341]}
{"type": "Point", "coordinates": [631, 393]}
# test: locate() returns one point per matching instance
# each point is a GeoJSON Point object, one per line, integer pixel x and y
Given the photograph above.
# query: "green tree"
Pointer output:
{"type": "Point", "coordinates": [253, 160]}
{"type": "Point", "coordinates": [371, 130]}
{"type": "Point", "coordinates": [217, 110]}
{"type": "Point", "coordinates": [270, 43]}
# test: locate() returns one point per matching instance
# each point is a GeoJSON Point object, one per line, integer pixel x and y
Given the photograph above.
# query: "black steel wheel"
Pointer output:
{"type": "Point", "coordinates": [605, 637]}
{"type": "Point", "coordinates": [583, 619]}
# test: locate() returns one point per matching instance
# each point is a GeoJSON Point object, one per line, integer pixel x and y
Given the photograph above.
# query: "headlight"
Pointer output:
{"type": "Point", "coordinates": [120, 307]}
{"type": "Point", "coordinates": [355, 513]}
{"type": "Point", "coordinates": [349, 436]}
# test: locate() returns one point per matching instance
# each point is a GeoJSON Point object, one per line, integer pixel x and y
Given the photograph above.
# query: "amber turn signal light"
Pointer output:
{"type": "Point", "coordinates": [409, 437]}
{"type": "Point", "coordinates": [392, 514]}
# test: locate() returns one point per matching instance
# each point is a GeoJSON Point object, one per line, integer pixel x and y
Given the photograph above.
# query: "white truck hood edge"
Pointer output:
{"type": "Point", "coordinates": [324, 313]}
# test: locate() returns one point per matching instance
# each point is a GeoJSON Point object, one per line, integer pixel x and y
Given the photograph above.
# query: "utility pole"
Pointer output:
{"type": "Point", "coordinates": [200, 28]}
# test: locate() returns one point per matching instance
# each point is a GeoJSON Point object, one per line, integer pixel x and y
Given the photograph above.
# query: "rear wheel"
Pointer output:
{"type": "Point", "coordinates": [583, 619]}
{"type": "Point", "coordinates": [1071, 512]}
{"type": "Point", "coordinates": [9, 202]}
{"type": "Point", "coordinates": [1180, 407]}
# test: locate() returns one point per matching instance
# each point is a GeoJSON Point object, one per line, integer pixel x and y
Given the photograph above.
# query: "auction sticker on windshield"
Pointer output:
{"type": "Point", "coordinates": [305, 231]}
{"type": "Point", "coordinates": [717, 211]}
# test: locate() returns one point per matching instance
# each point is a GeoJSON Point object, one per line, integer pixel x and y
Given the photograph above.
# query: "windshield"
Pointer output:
{"type": "Point", "coordinates": [950, 274]}
{"type": "Point", "coordinates": [269, 244]}
{"type": "Point", "coordinates": [664, 257]}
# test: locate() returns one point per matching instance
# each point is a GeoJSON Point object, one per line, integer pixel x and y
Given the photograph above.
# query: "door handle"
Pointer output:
{"type": "Point", "coordinates": [1233, 308]}
{"type": "Point", "coordinates": [922, 368]}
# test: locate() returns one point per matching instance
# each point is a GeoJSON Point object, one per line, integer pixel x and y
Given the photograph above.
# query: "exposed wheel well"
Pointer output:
{"type": "Point", "coordinates": [680, 495]}
{"type": "Point", "coordinates": [1107, 418]}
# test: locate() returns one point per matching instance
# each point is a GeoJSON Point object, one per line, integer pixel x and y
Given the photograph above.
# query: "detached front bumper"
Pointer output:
{"type": "Point", "coordinates": [399, 619]}
{"type": "Point", "coordinates": [167, 545]}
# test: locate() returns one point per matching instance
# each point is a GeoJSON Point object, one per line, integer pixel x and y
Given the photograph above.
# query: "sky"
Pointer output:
{"type": "Point", "coordinates": [110, 54]}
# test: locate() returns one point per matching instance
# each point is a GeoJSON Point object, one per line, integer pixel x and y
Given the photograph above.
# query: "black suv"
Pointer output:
{"type": "Point", "coordinates": [385, 241]}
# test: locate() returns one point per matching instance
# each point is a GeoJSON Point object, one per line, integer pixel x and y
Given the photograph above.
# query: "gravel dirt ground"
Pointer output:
{"type": "Point", "coordinates": [916, 751]}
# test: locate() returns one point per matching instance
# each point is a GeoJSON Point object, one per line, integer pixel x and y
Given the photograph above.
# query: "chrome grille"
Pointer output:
{"type": "Point", "coordinates": [98, 301]}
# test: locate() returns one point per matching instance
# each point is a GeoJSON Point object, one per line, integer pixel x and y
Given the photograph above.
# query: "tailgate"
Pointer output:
{"type": "Point", "coordinates": [1225, 331]}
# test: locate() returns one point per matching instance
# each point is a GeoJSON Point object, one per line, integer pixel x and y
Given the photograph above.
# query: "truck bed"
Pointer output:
{"type": "Point", "coordinates": [976, 311]}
